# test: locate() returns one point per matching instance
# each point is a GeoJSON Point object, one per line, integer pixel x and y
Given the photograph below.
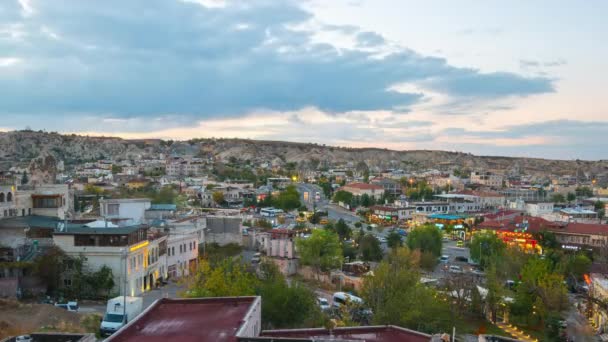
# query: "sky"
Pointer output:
{"type": "Point", "coordinates": [516, 78]}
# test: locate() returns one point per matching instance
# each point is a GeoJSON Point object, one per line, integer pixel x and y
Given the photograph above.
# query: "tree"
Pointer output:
{"type": "Point", "coordinates": [370, 249]}
{"type": "Point", "coordinates": [396, 296]}
{"type": "Point", "coordinates": [343, 196]}
{"type": "Point", "coordinates": [366, 201]}
{"type": "Point", "coordinates": [218, 197]}
{"type": "Point", "coordinates": [116, 168]}
{"type": "Point", "coordinates": [583, 191]}
{"type": "Point", "coordinates": [425, 238]}
{"type": "Point", "coordinates": [577, 265]}
{"type": "Point", "coordinates": [486, 247]}
{"type": "Point", "coordinates": [570, 197]}
{"type": "Point", "coordinates": [394, 240]}
{"type": "Point", "coordinates": [495, 290]}
{"type": "Point", "coordinates": [321, 250]}
{"type": "Point", "coordinates": [547, 240]}
{"type": "Point", "coordinates": [50, 268]}
{"type": "Point", "coordinates": [343, 230]}
{"type": "Point", "coordinates": [228, 278]}
{"type": "Point", "coordinates": [599, 205]}
{"type": "Point", "coordinates": [558, 198]}
{"type": "Point", "coordinates": [288, 199]}
{"type": "Point", "coordinates": [24, 178]}
{"type": "Point", "coordinates": [285, 306]}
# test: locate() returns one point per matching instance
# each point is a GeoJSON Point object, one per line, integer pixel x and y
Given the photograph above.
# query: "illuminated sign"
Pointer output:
{"type": "Point", "coordinates": [139, 245]}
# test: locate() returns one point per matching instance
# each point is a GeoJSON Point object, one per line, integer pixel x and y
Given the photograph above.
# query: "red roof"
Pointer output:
{"type": "Point", "coordinates": [188, 320]}
{"type": "Point", "coordinates": [363, 186]}
{"type": "Point", "coordinates": [281, 232]}
{"type": "Point", "coordinates": [501, 214]}
{"type": "Point", "coordinates": [387, 333]}
{"type": "Point", "coordinates": [537, 224]}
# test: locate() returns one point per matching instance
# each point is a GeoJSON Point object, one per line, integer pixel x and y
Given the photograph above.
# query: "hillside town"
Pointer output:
{"type": "Point", "coordinates": [487, 253]}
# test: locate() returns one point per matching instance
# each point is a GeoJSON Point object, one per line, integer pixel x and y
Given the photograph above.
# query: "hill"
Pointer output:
{"type": "Point", "coordinates": [20, 147]}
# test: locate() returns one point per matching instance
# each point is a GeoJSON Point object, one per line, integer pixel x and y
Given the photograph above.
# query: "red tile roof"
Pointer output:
{"type": "Point", "coordinates": [501, 214]}
{"type": "Point", "coordinates": [363, 186]}
{"type": "Point", "coordinates": [188, 320]}
{"type": "Point", "coordinates": [369, 334]}
{"type": "Point", "coordinates": [537, 224]}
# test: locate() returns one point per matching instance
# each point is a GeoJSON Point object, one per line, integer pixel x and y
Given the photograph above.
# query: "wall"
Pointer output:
{"type": "Point", "coordinates": [288, 267]}
{"type": "Point", "coordinates": [8, 287]}
{"type": "Point", "coordinates": [252, 322]}
{"type": "Point", "coordinates": [224, 230]}
{"type": "Point", "coordinates": [180, 260]}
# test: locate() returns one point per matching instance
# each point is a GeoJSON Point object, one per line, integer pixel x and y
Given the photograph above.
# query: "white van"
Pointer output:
{"type": "Point", "coordinates": [340, 298]}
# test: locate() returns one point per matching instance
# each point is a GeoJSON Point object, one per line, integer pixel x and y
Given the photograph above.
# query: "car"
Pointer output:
{"type": "Point", "coordinates": [323, 304]}
{"type": "Point", "coordinates": [69, 306]}
{"type": "Point", "coordinates": [478, 272]}
{"type": "Point", "coordinates": [444, 258]}
{"type": "Point", "coordinates": [24, 338]}
{"type": "Point", "coordinates": [461, 259]}
{"type": "Point", "coordinates": [459, 243]}
{"type": "Point", "coordinates": [455, 269]}
{"type": "Point", "coordinates": [382, 239]}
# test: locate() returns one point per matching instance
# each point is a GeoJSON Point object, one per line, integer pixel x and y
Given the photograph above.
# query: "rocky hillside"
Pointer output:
{"type": "Point", "coordinates": [20, 147]}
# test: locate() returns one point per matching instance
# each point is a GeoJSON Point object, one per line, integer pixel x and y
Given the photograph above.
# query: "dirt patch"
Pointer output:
{"type": "Point", "coordinates": [20, 318]}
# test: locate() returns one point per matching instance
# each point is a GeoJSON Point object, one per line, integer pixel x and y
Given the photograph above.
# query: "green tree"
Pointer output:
{"type": "Point", "coordinates": [394, 240]}
{"type": "Point", "coordinates": [116, 168]}
{"type": "Point", "coordinates": [370, 249]}
{"type": "Point", "coordinates": [558, 198]}
{"type": "Point", "coordinates": [583, 191]}
{"type": "Point", "coordinates": [289, 199]}
{"type": "Point", "coordinates": [321, 250]}
{"type": "Point", "coordinates": [577, 265]}
{"type": "Point", "coordinates": [218, 197]}
{"type": "Point", "coordinates": [486, 247]}
{"type": "Point", "coordinates": [547, 240]}
{"type": "Point", "coordinates": [366, 201]}
{"type": "Point", "coordinates": [284, 305]}
{"type": "Point", "coordinates": [396, 296]}
{"type": "Point", "coordinates": [495, 290]}
{"type": "Point", "coordinates": [229, 278]}
{"type": "Point", "coordinates": [571, 197]}
{"type": "Point", "coordinates": [343, 196]}
{"type": "Point", "coordinates": [344, 231]}
{"type": "Point", "coordinates": [598, 205]}
{"type": "Point", "coordinates": [24, 178]}
{"type": "Point", "coordinates": [425, 238]}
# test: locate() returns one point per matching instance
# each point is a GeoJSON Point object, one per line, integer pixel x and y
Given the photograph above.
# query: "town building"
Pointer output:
{"type": "Point", "coordinates": [487, 178]}
{"type": "Point", "coordinates": [239, 319]}
{"type": "Point", "coordinates": [391, 186]}
{"type": "Point", "coordinates": [598, 292]}
{"type": "Point", "coordinates": [125, 211]}
{"type": "Point", "coordinates": [280, 248]}
{"type": "Point", "coordinates": [388, 213]}
{"type": "Point", "coordinates": [360, 189]}
{"type": "Point", "coordinates": [132, 251]}
{"type": "Point", "coordinates": [182, 252]}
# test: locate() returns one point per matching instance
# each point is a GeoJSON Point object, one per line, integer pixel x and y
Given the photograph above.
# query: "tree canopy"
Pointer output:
{"type": "Point", "coordinates": [425, 238]}
{"type": "Point", "coordinates": [370, 249]}
{"type": "Point", "coordinates": [486, 247]}
{"type": "Point", "coordinates": [321, 250]}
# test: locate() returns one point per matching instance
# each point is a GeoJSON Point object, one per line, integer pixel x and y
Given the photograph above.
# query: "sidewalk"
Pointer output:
{"type": "Point", "coordinates": [515, 332]}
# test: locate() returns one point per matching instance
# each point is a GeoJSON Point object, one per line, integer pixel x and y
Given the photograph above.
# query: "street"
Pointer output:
{"type": "Point", "coordinates": [334, 212]}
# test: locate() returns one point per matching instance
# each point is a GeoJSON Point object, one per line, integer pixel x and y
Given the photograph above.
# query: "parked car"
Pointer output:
{"type": "Point", "coordinates": [459, 243]}
{"type": "Point", "coordinates": [444, 258]}
{"type": "Point", "coordinates": [69, 306]}
{"type": "Point", "coordinates": [455, 269]}
{"type": "Point", "coordinates": [323, 303]}
{"type": "Point", "coordinates": [24, 338]}
{"type": "Point", "coordinates": [461, 259]}
{"type": "Point", "coordinates": [382, 239]}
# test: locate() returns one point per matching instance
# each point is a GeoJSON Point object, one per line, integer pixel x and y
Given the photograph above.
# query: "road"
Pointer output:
{"type": "Point", "coordinates": [334, 212]}
{"type": "Point", "coordinates": [578, 327]}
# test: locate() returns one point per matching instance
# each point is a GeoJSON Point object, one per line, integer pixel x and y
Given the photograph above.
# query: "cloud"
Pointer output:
{"type": "Point", "coordinates": [370, 39]}
{"type": "Point", "coordinates": [156, 57]}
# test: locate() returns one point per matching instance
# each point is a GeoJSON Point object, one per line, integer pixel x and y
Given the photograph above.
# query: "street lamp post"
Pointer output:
{"type": "Point", "coordinates": [124, 253]}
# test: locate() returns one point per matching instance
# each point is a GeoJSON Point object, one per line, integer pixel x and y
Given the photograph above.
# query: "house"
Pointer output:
{"type": "Point", "coordinates": [43, 200]}
{"type": "Point", "coordinates": [485, 199]}
{"type": "Point", "coordinates": [182, 252]}
{"type": "Point", "coordinates": [576, 214]}
{"type": "Point", "coordinates": [538, 208]}
{"type": "Point", "coordinates": [224, 230]}
{"type": "Point", "coordinates": [391, 187]}
{"type": "Point", "coordinates": [487, 178]}
{"type": "Point", "coordinates": [239, 319]}
{"type": "Point", "coordinates": [125, 211]}
{"type": "Point", "coordinates": [160, 211]}
{"type": "Point", "coordinates": [392, 213]}
{"type": "Point", "coordinates": [130, 251]}
{"type": "Point", "coordinates": [360, 189]}
{"type": "Point", "coordinates": [280, 248]}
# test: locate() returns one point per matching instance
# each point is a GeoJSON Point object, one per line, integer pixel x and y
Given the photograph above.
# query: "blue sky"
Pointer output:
{"type": "Point", "coordinates": [486, 77]}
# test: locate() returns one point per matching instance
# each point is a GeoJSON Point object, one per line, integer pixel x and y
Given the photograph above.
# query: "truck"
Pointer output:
{"type": "Point", "coordinates": [120, 311]}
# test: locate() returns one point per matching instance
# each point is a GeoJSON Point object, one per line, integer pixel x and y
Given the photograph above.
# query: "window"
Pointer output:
{"type": "Point", "coordinates": [9, 197]}
{"type": "Point", "coordinates": [47, 202]}
{"type": "Point", "coordinates": [113, 209]}
{"type": "Point", "coordinates": [67, 282]}
{"type": "Point", "coordinates": [173, 250]}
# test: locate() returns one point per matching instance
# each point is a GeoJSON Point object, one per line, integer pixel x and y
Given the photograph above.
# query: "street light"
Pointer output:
{"type": "Point", "coordinates": [124, 254]}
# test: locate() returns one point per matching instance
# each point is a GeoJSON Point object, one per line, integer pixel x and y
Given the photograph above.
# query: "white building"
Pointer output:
{"type": "Point", "coordinates": [125, 211]}
{"type": "Point", "coordinates": [182, 252]}
{"type": "Point", "coordinates": [539, 209]}
{"type": "Point", "coordinates": [487, 179]}
{"type": "Point", "coordinates": [143, 254]}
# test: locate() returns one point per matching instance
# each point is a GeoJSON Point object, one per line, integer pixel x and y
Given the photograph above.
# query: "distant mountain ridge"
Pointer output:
{"type": "Point", "coordinates": [20, 147]}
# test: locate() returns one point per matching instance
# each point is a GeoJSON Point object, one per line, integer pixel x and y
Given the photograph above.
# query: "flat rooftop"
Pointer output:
{"type": "Point", "coordinates": [188, 320]}
{"type": "Point", "coordinates": [369, 334]}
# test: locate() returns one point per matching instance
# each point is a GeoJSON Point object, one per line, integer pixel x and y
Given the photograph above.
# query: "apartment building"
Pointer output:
{"type": "Point", "coordinates": [487, 178]}
{"type": "Point", "coordinates": [125, 211]}
{"type": "Point", "coordinates": [135, 255]}
{"type": "Point", "coordinates": [360, 189]}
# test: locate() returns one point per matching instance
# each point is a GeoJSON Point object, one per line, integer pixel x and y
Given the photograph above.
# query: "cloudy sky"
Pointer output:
{"type": "Point", "coordinates": [488, 77]}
